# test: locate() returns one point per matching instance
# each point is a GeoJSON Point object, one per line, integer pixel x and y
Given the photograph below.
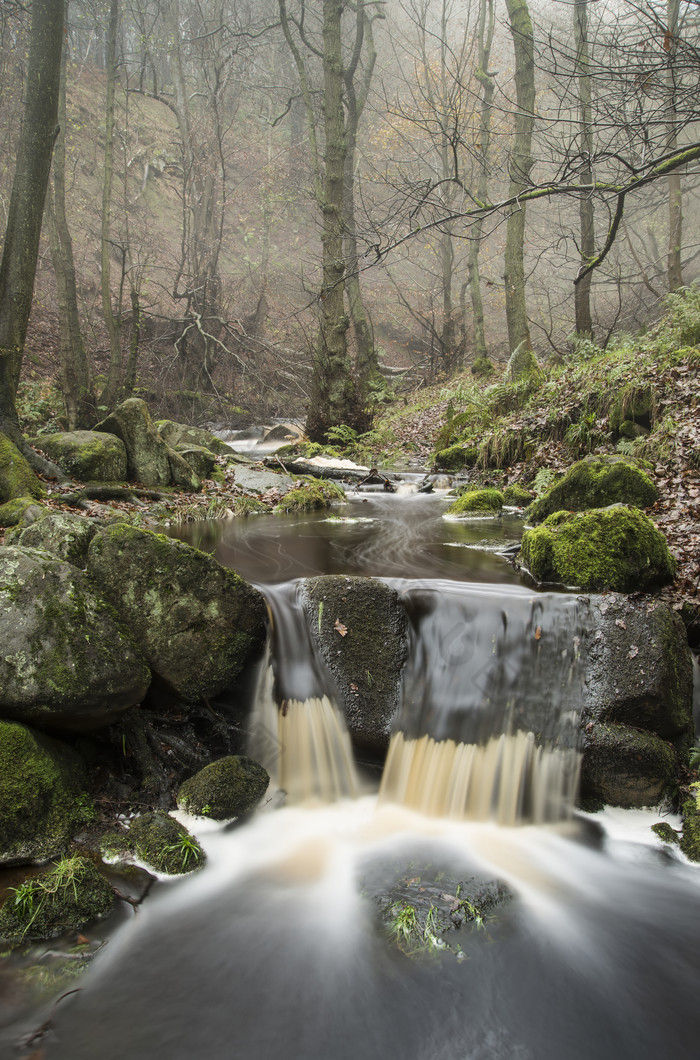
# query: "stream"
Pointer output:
{"type": "Point", "coordinates": [581, 938]}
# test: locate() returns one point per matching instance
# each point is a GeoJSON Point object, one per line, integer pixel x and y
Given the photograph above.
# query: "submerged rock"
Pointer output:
{"type": "Point", "coordinates": [72, 894]}
{"type": "Point", "coordinates": [164, 844]}
{"type": "Point", "coordinates": [66, 662]}
{"type": "Point", "coordinates": [596, 482]}
{"type": "Point", "coordinates": [41, 800]}
{"type": "Point", "coordinates": [88, 456]}
{"type": "Point", "coordinates": [229, 787]}
{"type": "Point", "coordinates": [197, 623]}
{"type": "Point", "coordinates": [361, 629]}
{"type": "Point", "coordinates": [626, 767]}
{"type": "Point", "coordinates": [616, 548]}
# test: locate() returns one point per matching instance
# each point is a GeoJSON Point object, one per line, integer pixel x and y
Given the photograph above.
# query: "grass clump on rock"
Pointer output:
{"type": "Point", "coordinates": [596, 482]}
{"type": "Point", "coordinates": [310, 496]}
{"type": "Point", "coordinates": [477, 502]}
{"type": "Point", "coordinates": [70, 895]}
{"type": "Point", "coordinates": [229, 787]}
{"type": "Point", "coordinates": [164, 844]}
{"type": "Point", "coordinates": [616, 548]}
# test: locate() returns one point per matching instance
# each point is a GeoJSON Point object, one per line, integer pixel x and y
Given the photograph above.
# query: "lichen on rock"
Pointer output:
{"type": "Point", "coordinates": [150, 459]}
{"type": "Point", "coordinates": [228, 787]}
{"type": "Point", "coordinates": [64, 534]}
{"type": "Point", "coordinates": [16, 476]}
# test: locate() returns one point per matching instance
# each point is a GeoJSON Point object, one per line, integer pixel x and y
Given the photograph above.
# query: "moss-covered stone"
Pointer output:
{"type": "Point", "coordinates": [596, 482]}
{"type": "Point", "coordinates": [40, 794]}
{"type": "Point", "coordinates": [665, 833]}
{"type": "Point", "coordinates": [65, 662]}
{"type": "Point", "coordinates": [634, 406]}
{"type": "Point", "coordinates": [149, 459]}
{"type": "Point", "coordinates": [182, 474]}
{"type": "Point", "coordinates": [367, 663]}
{"type": "Point", "coordinates": [70, 895]}
{"type": "Point", "coordinates": [690, 838]}
{"type": "Point", "coordinates": [164, 844]}
{"type": "Point", "coordinates": [626, 767]}
{"type": "Point", "coordinates": [229, 787]}
{"type": "Point", "coordinates": [16, 477]}
{"type": "Point", "coordinates": [310, 496]}
{"type": "Point", "coordinates": [178, 435]}
{"type": "Point", "coordinates": [477, 502]}
{"type": "Point", "coordinates": [64, 534]}
{"type": "Point", "coordinates": [482, 367]}
{"type": "Point", "coordinates": [516, 496]}
{"type": "Point", "coordinates": [19, 511]}
{"type": "Point", "coordinates": [201, 460]}
{"type": "Point", "coordinates": [196, 622]}
{"type": "Point", "coordinates": [88, 456]}
{"type": "Point", "coordinates": [615, 548]}
{"type": "Point", "coordinates": [456, 457]}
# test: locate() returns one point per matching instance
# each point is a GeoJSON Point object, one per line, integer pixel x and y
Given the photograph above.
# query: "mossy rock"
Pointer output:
{"type": "Point", "coordinates": [149, 459]}
{"type": "Point", "coordinates": [70, 895]}
{"type": "Point", "coordinates": [367, 663]}
{"type": "Point", "coordinates": [201, 460]}
{"type": "Point", "coordinates": [16, 476]}
{"type": "Point", "coordinates": [690, 839]}
{"type": "Point", "coordinates": [635, 405]}
{"type": "Point", "coordinates": [666, 833]}
{"type": "Point", "coordinates": [482, 367]}
{"type": "Point", "coordinates": [41, 799]}
{"type": "Point", "coordinates": [477, 502]}
{"type": "Point", "coordinates": [309, 497]}
{"type": "Point", "coordinates": [178, 435]}
{"type": "Point", "coordinates": [88, 456]}
{"type": "Point", "coordinates": [623, 766]}
{"type": "Point", "coordinates": [164, 844]}
{"type": "Point", "coordinates": [20, 511]}
{"type": "Point", "coordinates": [456, 458]}
{"type": "Point", "coordinates": [196, 622]}
{"type": "Point", "coordinates": [229, 787]}
{"type": "Point", "coordinates": [517, 497]}
{"type": "Point", "coordinates": [182, 474]}
{"type": "Point", "coordinates": [66, 662]}
{"type": "Point", "coordinates": [65, 535]}
{"type": "Point", "coordinates": [596, 482]}
{"type": "Point", "coordinates": [616, 548]}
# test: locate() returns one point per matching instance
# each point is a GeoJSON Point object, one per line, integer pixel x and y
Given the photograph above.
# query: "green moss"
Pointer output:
{"type": "Point", "coordinates": [248, 506]}
{"type": "Point", "coordinates": [690, 839]}
{"type": "Point", "coordinates": [482, 368]}
{"type": "Point", "coordinates": [310, 496]}
{"type": "Point", "coordinates": [615, 548]}
{"type": "Point", "coordinates": [229, 787]}
{"type": "Point", "coordinates": [665, 833]}
{"type": "Point", "coordinates": [13, 512]}
{"type": "Point", "coordinates": [456, 458]}
{"type": "Point", "coordinates": [164, 844]}
{"type": "Point", "coordinates": [73, 893]}
{"type": "Point", "coordinates": [596, 482]}
{"type": "Point", "coordinates": [89, 456]}
{"type": "Point", "coordinates": [486, 501]}
{"type": "Point", "coordinates": [16, 476]}
{"type": "Point", "coordinates": [516, 496]}
{"type": "Point", "coordinates": [522, 364]}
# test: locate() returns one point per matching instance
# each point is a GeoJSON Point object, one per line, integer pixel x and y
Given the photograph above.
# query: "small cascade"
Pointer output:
{"type": "Point", "coordinates": [509, 779]}
{"type": "Point", "coordinates": [298, 733]}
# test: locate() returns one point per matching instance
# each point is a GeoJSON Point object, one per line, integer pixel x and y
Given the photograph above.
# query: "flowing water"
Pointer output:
{"type": "Point", "coordinates": [539, 933]}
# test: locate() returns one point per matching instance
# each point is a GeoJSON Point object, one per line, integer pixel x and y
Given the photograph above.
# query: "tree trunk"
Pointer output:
{"type": "Point", "coordinates": [113, 324]}
{"type": "Point", "coordinates": [582, 290]}
{"type": "Point", "coordinates": [21, 247]}
{"type": "Point", "coordinates": [675, 200]}
{"type": "Point", "coordinates": [486, 28]}
{"type": "Point", "coordinates": [519, 170]}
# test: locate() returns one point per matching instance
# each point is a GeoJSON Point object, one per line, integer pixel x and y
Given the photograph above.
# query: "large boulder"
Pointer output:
{"type": "Point", "coordinates": [596, 482]}
{"type": "Point", "coordinates": [624, 766]}
{"type": "Point", "coordinates": [201, 460]}
{"type": "Point", "coordinates": [70, 895]}
{"type": "Point", "coordinates": [149, 459]}
{"type": "Point", "coordinates": [41, 801]}
{"type": "Point", "coordinates": [361, 630]}
{"type": "Point", "coordinates": [181, 434]}
{"type": "Point", "coordinates": [66, 662]}
{"type": "Point", "coordinates": [253, 480]}
{"type": "Point", "coordinates": [65, 535]}
{"type": "Point", "coordinates": [229, 787]}
{"type": "Point", "coordinates": [197, 623]}
{"type": "Point", "coordinates": [616, 548]}
{"type": "Point", "coordinates": [88, 456]}
{"type": "Point", "coordinates": [16, 477]}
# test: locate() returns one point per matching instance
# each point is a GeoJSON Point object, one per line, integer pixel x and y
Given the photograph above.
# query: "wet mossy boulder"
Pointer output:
{"type": "Point", "coordinates": [596, 482]}
{"type": "Point", "coordinates": [516, 497]}
{"type": "Point", "coordinates": [309, 497]}
{"type": "Point", "coordinates": [164, 844]}
{"type": "Point", "coordinates": [625, 766]}
{"type": "Point", "coordinates": [16, 476]}
{"type": "Point", "coordinates": [639, 668]}
{"type": "Point", "coordinates": [196, 622]}
{"type": "Point", "coordinates": [149, 459]}
{"type": "Point", "coordinates": [41, 798]}
{"type": "Point", "coordinates": [361, 630]}
{"type": "Point", "coordinates": [88, 456]}
{"type": "Point", "coordinates": [181, 434]}
{"type": "Point", "coordinates": [616, 548]}
{"type": "Point", "coordinates": [65, 535]}
{"type": "Point", "coordinates": [70, 895]}
{"type": "Point", "coordinates": [456, 458]}
{"type": "Point", "coordinates": [66, 662]}
{"type": "Point", "coordinates": [229, 787]}
{"type": "Point", "coordinates": [477, 502]}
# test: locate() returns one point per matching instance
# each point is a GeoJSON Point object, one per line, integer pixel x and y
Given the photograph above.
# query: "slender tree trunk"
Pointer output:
{"type": "Point", "coordinates": [582, 290]}
{"type": "Point", "coordinates": [519, 171]}
{"type": "Point", "coordinates": [112, 323]}
{"type": "Point", "coordinates": [23, 231]}
{"type": "Point", "coordinates": [486, 28]}
{"type": "Point", "coordinates": [675, 199]}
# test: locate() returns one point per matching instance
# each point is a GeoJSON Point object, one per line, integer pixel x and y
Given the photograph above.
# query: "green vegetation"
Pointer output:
{"type": "Point", "coordinates": [516, 497]}
{"type": "Point", "coordinates": [690, 839]}
{"type": "Point", "coordinates": [596, 482]}
{"type": "Point", "coordinates": [309, 496]}
{"type": "Point", "coordinates": [69, 895]}
{"type": "Point", "coordinates": [164, 844]}
{"type": "Point", "coordinates": [477, 502]}
{"type": "Point", "coordinates": [229, 787]}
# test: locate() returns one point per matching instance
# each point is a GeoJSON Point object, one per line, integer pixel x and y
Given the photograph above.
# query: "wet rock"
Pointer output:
{"type": "Point", "coordinates": [65, 535]}
{"type": "Point", "coordinates": [626, 767]}
{"type": "Point", "coordinates": [254, 481]}
{"type": "Point", "coordinates": [284, 432]}
{"type": "Point", "coordinates": [181, 434]}
{"type": "Point", "coordinates": [229, 787]}
{"type": "Point", "coordinates": [197, 623]}
{"type": "Point", "coordinates": [72, 894]}
{"type": "Point", "coordinates": [616, 548]}
{"type": "Point", "coordinates": [88, 456]}
{"type": "Point", "coordinates": [41, 801]}
{"type": "Point", "coordinates": [149, 459]}
{"type": "Point", "coordinates": [596, 482]}
{"type": "Point", "coordinates": [361, 630]}
{"type": "Point", "coordinates": [164, 844]}
{"type": "Point", "coordinates": [66, 662]}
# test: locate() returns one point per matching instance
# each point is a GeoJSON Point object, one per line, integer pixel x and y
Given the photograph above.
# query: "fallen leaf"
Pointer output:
{"type": "Point", "coordinates": [340, 628]}
{"type": "Point", "coordinates": [621, 623]}
{"type": "Point", "coordinates": [633, 652]}
{"type": "Point", "coordinates": [538, 633]}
